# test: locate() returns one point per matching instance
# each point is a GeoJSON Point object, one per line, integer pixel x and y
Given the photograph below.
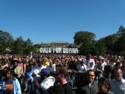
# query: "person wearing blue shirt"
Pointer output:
{"type": "Point", "coordinates": [12, 84]}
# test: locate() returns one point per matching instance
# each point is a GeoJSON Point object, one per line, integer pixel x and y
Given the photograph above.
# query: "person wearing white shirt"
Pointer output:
{"type": "Point", "coordinates": [103, 64]}
{"type": "Point", "coordinates": [90, 63]}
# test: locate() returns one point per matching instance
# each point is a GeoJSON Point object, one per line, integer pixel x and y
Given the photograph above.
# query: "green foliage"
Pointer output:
{"type": "Point", "coordinates": [28, 46]}
{"type": "Point", "coordinates": [100, 48]}
{"type": "Point", "coordinates": [6, 40]}
{"type": "Point", "coordinates": [113, 44]}
{"type": "Point", "coordinates": [85, 41]}
{"type": "Point", "coordinates": [83, 36]}
{"type": "Point", "coordinates": [121, 31]}
{"type": "Point", "coordinates": [18, 46]}
{"type": "Point", "coordinates": [109, 42]}
{"type": "Point", "coordinates": [120, 45]}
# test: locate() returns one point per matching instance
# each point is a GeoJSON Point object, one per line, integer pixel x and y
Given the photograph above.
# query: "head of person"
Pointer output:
{"type": "Point", "coordinates": [62, 75]}
{"type": "Point", "coordinates": [10, 74]}
{"type": "Point", "coordinates": [91, 75]}
{"type": "Point", "coordinates": [102, 59]}
{"type": "Point", "coordinates": [91, 64]}
{"type": "Point", "coordinates": [118, 73]}
{"type": "Point", "coordinates": [10, 85]}
{"type": "Point", "coordinates": [107, 71]}
{"type": "Point", "coordinates": [104, 86]}
{"type": "Point", "coordinates": [88, 57]}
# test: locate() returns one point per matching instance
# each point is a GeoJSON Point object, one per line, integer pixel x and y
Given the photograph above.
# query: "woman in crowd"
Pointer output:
{"type": "Point", "coordinates": [104, 86]}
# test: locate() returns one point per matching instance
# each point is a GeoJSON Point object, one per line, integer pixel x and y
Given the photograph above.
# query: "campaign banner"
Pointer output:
{"type": "Point", "coordinates": [59, 50]}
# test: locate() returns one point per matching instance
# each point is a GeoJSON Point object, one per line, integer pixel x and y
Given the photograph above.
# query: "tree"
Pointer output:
{"type": "Point", "coordinates": [85, 41]}
{"type": "Point", "coordinates": [109, 42]}
{"type": "Point", "coordinates": [28, 46]}
{"type": "Point", "coordinates": [120, 44]}
{"type": "Point", "coordinates": [100, 48]}
{"type": "Point", "coordinates": [37, 48]}
{"type": "Point", "coordinates": [6, 40]}
{"type": "Point", "coordinates": [2, 48]}
{"type": "Point", "coordinates": [121, 31]}
{"type": "Point", "coordinates": [19, 46]}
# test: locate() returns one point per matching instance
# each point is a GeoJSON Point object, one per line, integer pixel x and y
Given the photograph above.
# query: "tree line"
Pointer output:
{"type": "Point", "coordinates": [111, 44]}
{"type": "Point", "coordinates": [16, 46]}
{"type": "Point", "coordinates": [84, 40]}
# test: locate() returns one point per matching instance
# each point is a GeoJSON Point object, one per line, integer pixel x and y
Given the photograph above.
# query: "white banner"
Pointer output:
{"type": "Point", "coordinates": [59, 50]}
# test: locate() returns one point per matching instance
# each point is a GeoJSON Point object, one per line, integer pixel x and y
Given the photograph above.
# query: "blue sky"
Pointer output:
{"type": "Point", "coordinates": [58, 20]}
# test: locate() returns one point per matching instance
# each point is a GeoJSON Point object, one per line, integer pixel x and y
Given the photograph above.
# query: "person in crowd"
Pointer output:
{"type": "Point", "coordinates": [103, 62]}
{"type": "Point", "coordinates": [12, 83]}
{"type": "Point", "coordinates": [18, 70]}
{"type": "Point", "coordinates": [104, 86]}
{"type": "Point", "coordinates": [98, 69]}
{"type": "Point", "coordinates": [118, 83]}
{"type": "Point", "coordinates": [81, 66]}
{"type": "Point", "coordinates": [91, 87]}
{"type": "Point", "coordinates": [107, 73]}
{"type": "Point", "coordinates": [90, 62]}
{"type": "Point", "coordinates": [2, 83]}
{"type": "Point", "coordinates": [63, 86]}
{"type": "Point", "coordinates": [28, 77]}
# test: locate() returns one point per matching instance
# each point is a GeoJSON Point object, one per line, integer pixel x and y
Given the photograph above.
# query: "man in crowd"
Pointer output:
{"type": "Point", "coordinates": [63, 87]}
{"type": "Point", "coordinates": [91, 87]}
{"type": "Point", "coordinates": [90, 62]}
{"type": "Point", "coordinates": [118, 83]}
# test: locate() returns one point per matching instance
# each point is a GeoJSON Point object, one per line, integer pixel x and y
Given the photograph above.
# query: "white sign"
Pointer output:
{"type": "Point", "coordinates": [59, 50]}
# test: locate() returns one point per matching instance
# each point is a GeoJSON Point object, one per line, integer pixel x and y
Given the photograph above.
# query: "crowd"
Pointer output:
{"type": "Point", "coordinates": [62, 74]}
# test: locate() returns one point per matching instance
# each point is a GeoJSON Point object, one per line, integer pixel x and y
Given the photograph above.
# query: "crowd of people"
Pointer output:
{"type": "Point", "coordinates": [62, 74]}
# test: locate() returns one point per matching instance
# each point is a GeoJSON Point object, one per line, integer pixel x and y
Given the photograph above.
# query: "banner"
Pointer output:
{"type": "Point", "coordinates": [59, 50]}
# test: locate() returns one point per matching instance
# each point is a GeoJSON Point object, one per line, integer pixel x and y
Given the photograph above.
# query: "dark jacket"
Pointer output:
{"type": "Point", "coordinates": [61, 89]}
{"type": "Point", "coordinates": [89, 89]}
{"type": "Point", "coordinates": [106, 93]}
